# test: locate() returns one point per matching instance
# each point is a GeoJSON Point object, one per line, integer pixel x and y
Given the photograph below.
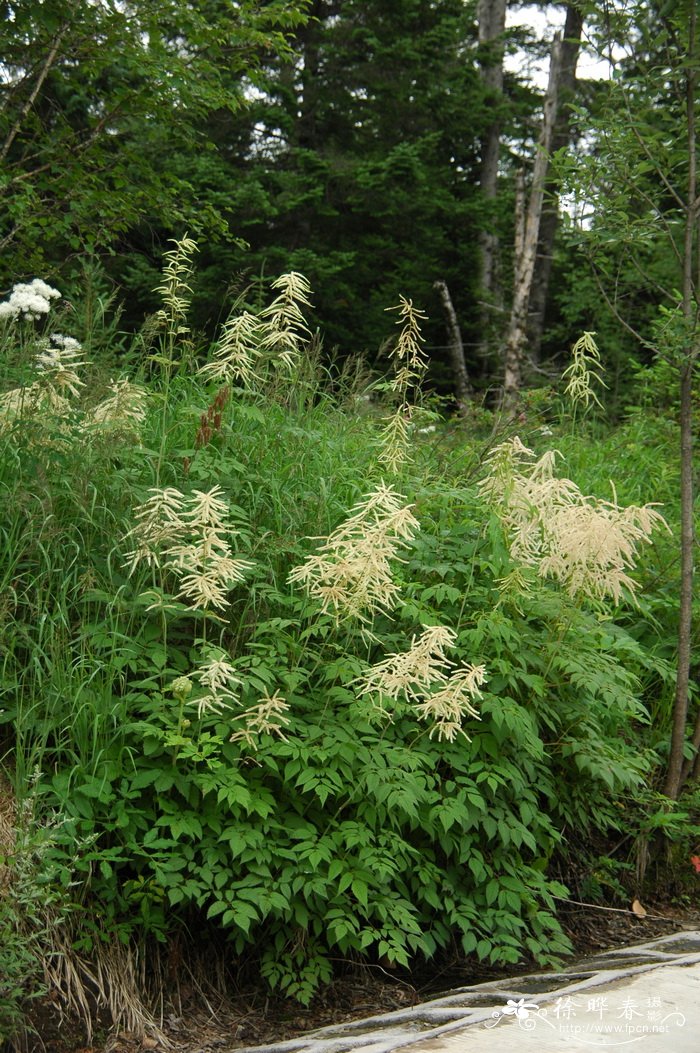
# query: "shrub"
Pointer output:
{"type": "Point", "coordinates": [366, 744]}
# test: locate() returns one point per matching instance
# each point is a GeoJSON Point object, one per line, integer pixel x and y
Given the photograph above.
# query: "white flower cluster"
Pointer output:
{"type": "Point", "coordinates": [351, 573]}
{"type": "Point", "coordinates": [278, 332]}
{"type": "Point", "coordinates": [586, 367]}
{"type": "Point", "coordinates": [67, 343]}
{"type": "Point", "coordinates": [267, 717]}
{"type": "Point", "coordinates": [57, 362]}
{"type": "Point", "coordinates": [173, 288]}
{"type": "Point", "coordinates": [416, 673]}
{"type": "Point", "coordinates": [56, 367]}
{"type": "Point", "coordinates": [217, 677]}
{"type": "Point", "coordinates": [30, 299]}
{"type": "Point", "coordinates": [410, 365]}
{"type": "Point", "coordinates": [123, 410]}
{"type": "Point", "coordinates": [189, 536]}
{"type": "Point", "coordinates": [285, 329]}
{"type": "Point", "coordinates": [585, 543]}
{"type": "Point", "coordinates": [237, 351]}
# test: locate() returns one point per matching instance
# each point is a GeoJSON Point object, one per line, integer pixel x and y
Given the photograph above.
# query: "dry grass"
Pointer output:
{"type": "Point", "coordinates": [8, 830]}
{"type": "Point", "coordinates": [112, 978]}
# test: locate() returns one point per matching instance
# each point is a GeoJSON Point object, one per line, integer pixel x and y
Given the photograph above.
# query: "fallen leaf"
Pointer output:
{"type": "Point", "coordinates": [638, 909]}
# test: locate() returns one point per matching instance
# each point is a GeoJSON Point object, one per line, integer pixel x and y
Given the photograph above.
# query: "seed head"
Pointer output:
{"type": "Point", "coordinates": [181, 687]}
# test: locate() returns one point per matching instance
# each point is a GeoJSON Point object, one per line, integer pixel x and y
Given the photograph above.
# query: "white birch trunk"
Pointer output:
{"type": "Point", "coordinates": [491, 17]}
{"type": "Point", "coordinates": [516, 337]}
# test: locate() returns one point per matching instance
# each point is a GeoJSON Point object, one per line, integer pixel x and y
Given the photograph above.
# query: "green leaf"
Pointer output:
{"type": "Point", "coordinates": [359, 890]}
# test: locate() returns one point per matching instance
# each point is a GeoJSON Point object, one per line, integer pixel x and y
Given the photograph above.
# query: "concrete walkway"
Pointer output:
{"type": "Point", "coordinates": [644, 998]}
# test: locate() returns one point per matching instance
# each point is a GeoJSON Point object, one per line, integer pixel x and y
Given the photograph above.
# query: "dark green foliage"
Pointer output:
{"type": "Point", "coordinates": [348, 837]}
{"type": "Point", "coordinates": [354, 162]}
{"type": "Point", "coordinates": [98, 101]}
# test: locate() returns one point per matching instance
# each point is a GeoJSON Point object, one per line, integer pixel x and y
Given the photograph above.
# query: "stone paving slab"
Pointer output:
{"type": "Point", "coordinates": [645, 997]}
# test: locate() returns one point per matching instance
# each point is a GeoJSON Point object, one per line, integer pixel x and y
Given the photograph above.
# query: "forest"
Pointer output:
{"type": "Point", "coordinates": [348, 391]}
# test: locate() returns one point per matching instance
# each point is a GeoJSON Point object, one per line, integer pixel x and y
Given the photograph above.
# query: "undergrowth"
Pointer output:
{"type": "Point", "coordinates": [223, 580]}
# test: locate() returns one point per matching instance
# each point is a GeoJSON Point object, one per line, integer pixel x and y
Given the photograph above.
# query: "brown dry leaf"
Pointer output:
{"type": "Point", "coordinates": [149, 1043]}
{"type": "Point", "coordinates": [638, 909]}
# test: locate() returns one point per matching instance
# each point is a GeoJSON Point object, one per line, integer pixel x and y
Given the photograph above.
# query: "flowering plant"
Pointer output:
{"type": "Point", "coordinates": [30, 300]}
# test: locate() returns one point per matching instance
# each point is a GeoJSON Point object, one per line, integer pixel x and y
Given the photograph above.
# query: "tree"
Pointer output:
{"type": "Point", "coordinates": [640, 184]}
{"type": "Point", "coordinates": [462, 386]}
{"type": "Point", "coordinates": [95, 100]}
{"type": "Point", "coordinates": [355, 164]}
{"type": "Point", "coordinates": [527, 234]}
{"type": "Point", "coordinates": [561, 136]}
{"type": "Point", "coordinates": [491, 17]}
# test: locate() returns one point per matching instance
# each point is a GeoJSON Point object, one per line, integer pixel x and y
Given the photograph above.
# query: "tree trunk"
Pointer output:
{"type": "Point", "coordinates": [491, 16]}
{"type": "Point", "coordinates": [677, 771]}
{"type": "Point", "coordinates": [463, 389]}
{"type": "Point", "coordinates": [561, 137]}
{"type": "Point", "coordinates": [516, 337]}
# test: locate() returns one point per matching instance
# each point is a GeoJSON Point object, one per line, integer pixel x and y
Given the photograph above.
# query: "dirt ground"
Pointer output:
{"type": "Point", "coordinates": [197, 1023]}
